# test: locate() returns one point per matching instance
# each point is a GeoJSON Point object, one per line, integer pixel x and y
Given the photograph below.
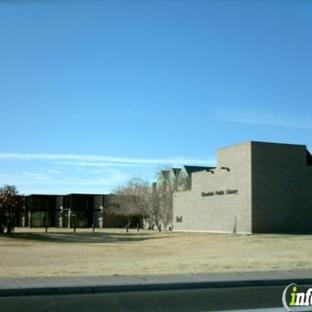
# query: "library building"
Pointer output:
{"type": "Point", "coordinates": [256, 187]}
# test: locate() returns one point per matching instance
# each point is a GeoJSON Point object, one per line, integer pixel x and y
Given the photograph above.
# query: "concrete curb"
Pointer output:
{"type": "Point", "coordinates": [83, 286]}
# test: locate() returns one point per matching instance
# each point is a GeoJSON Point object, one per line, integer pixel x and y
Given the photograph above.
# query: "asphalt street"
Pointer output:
{"type": "Point", "coordinates": [199, 300]}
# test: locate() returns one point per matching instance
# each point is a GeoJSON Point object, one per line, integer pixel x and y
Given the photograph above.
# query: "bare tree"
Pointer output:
{"type": "Point", "coordinates": [169, 180]}
{"type": "Point", "coordinates": [166, 186]}
{"type": "Point", "coordinates": [167, 206]}
{"type": "Point", "coordinates": [10, 204]}
{"type": "Point", "coordinates": [153, 204]}
{"type": "Point", "coordinates": [184, 183]}
{"type": "Point", "coordinates": [132, 200]}
{"type": "Point", "coordinates": [156, 211]}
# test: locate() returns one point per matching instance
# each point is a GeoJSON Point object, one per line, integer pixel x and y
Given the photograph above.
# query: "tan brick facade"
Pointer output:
{"type": "Point", "coordinates": [256, 187]}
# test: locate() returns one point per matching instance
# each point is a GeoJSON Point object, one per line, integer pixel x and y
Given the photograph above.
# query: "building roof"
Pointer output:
{"type": "Point", "coordinates": [176, 171]}
{"type": "Point", "coordinates": [191, 169]}
{"type": "Point", "coordinates": [309, 158]}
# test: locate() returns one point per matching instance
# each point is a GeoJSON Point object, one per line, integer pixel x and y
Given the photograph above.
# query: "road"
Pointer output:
{"type": "Point", "coordinates": [198, 300]}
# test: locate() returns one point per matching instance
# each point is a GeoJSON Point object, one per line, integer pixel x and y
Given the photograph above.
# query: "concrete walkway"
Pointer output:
{"type": "Point", "coordinates": [87, 285]}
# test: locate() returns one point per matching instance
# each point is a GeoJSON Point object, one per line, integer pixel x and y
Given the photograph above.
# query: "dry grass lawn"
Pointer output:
{"type": "Point", "coordinates": [33, 253]}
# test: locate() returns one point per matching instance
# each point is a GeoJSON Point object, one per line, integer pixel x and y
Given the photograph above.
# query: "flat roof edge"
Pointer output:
{"type": "Point", "coordinates": [262, 142]}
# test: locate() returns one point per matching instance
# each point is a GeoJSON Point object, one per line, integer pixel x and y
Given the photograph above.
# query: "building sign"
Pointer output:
{"type": "Point", "coordinates": [219, 193]}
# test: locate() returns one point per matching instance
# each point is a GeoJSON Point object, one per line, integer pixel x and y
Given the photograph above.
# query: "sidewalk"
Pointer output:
{"type": "Point", "coordinates": [87, 285]}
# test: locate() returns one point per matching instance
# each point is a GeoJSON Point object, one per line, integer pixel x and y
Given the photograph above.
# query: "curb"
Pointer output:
{"type": "Point", "coordinates": [97, 289]}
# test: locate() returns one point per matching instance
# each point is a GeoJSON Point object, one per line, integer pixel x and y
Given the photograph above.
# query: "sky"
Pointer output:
{"type": "Point", "coordinates": [94, 93]}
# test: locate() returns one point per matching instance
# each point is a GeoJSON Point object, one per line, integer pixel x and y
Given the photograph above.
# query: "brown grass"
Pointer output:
{"type": "Point", "coordinates": [32, 253]}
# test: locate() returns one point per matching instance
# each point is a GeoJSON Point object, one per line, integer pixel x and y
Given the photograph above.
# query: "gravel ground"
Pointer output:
{"type": "Point", "coordinates": [33, 253]}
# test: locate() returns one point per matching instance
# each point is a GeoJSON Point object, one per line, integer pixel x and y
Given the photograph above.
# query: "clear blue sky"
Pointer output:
{"type": "Point", "coordinates": [93, 93]}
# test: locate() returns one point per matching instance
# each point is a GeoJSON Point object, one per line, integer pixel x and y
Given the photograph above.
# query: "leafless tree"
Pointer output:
{"type": "Point", "coordinates": [10, 204]}
{"type": "Point", "coordinates": [132, 199]}
{"type": "Point", "coordinates": [158, 212]}
{"type": "Point", "coordinates": [169, 181]}
{"type": "Point", "coordinates": [184, 183]}
{"type": "Point", "coordinates": [153, 203]}
{"type": "Point", "coordinates": [165, 187]}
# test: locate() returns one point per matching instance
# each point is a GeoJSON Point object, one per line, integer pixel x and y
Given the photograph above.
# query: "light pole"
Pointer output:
{"type": "Point", "coordinates": [61, 217]}
{"type": "Point", "coordinates": [69, 215]}
{"type": "Point", "coordinates": [29, 218]}
{"type": "Point", "coordinates": [101, 217]}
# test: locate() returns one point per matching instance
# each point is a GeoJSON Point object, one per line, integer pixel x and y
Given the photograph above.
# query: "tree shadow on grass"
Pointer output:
{"type": "Point", "coordinates": [93, 238]}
